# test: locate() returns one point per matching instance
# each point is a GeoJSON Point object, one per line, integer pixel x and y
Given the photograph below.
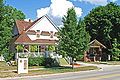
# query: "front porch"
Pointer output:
{"type": "Point", "coordinates": [36, 51]}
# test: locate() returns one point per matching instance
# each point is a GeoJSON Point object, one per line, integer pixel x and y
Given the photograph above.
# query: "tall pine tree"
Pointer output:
{"type": "Point", "coordinates": [73, 38]}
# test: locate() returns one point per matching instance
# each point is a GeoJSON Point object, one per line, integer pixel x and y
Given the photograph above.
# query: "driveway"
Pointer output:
{"type": "Point", "coordinates": [102, 66]}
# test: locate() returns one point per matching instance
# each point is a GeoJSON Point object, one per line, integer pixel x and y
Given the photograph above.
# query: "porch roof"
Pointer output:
{"type": "Point", "coordinates": [24, 39]}
{"type": "Point", "coordinates": [96, 43]}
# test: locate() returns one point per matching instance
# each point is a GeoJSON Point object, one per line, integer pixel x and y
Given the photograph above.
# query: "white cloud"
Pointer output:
{"type": "Point", "coordinates": [42, 11]}
{"type": "Point", "coordinates": [97, 2]}
{"type": "Point", "coordinates": [58, 9]}
{"type": "Point", "coordinates": [113, 0]}
{"type": "Point", "coordinates": [28, 19]}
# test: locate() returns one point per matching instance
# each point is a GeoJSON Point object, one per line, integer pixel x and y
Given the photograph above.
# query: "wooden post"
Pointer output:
{"type": "Point", "coordinates": [38, 50]}
{"type": "Point", "coordinates": [23, 48]}
{"type": "Point", "coordinates": [85, 56]}
{"type": "Point", "coordinates": [94, 59]}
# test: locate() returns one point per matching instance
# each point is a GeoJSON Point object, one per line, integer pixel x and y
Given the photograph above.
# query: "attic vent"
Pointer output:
{"type": "Point", "coordinates": [38, 33]}
{"type": "Point", "coordinates": [51, 34]}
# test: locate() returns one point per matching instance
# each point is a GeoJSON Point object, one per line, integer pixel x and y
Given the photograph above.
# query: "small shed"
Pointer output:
{"type": "Point", "coordinates": [95, 51]}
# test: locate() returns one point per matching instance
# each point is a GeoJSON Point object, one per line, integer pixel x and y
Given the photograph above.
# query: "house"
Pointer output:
{"type": "Point", "coordinates": [34, 37]}
{"type": "Point", "coordinates": [95, 51]}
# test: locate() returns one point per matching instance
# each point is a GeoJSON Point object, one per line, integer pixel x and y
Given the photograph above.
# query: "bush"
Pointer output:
{"type": "Point", "coordinates": [8, 56]}
{"type": "Point", "coordinates": [41, 61]}
{"type": "Point", "coordinates": [50, 62]}
{"type": "Point", "coordinates": [36, 61]}
{"type": "Point", "coordinates": [79, 57]}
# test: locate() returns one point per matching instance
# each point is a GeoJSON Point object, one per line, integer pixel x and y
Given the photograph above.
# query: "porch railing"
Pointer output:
{"type": "Point", "coordinates": [38, 54]}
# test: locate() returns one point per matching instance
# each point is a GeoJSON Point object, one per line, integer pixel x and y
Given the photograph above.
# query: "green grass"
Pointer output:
{"type": "Point", "coordinates": [4, 67]}
{"type": "Point", "coordinates": [47, 71]}
{"type": "Point", "coordinates": [63, 61]}
{"type": "Point", "coordinates": [113, 62]}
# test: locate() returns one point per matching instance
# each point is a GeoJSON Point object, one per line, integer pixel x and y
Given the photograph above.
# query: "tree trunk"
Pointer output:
{"type": "Point", "coordinates": [72, 63]}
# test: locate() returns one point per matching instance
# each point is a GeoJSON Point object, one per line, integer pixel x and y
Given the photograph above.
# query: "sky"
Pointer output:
{"type": "Point", "coordinates": [56, 9]}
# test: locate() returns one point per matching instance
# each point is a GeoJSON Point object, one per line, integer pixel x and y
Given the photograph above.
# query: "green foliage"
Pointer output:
{"type": "Point", "coordinates": [115, 50]}
{"type": "Point", "coordinates": [36, 61]}
{"type": "Point", "coordinates": [73, 38]}
{"type": "Point", "coordinates": [51, 48]}
{"type": "Point", "coordinates": [8, 15]}
{"type": "Point", "coordinates": [79, 57]}
{"type": "Point", "coordinates": [103, 23]}
{"type": "Point", "coordinates": [8, 56]}
{"type": "Point", "coordinates": [50, 62]}
{"type": "Point", "coordinates": [33, 48]}
{"type": "Point", "coordinates": [42, 61]}
{"type": "Point", "coordinates": [19, 48]}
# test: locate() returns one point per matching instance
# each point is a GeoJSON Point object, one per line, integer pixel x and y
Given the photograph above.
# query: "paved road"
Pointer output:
{"type": "Point", "coordinates": [108, 73]}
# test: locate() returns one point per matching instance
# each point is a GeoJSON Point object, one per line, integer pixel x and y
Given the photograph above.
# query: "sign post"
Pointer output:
{"type": "Point", "coordinates": [22, 66]}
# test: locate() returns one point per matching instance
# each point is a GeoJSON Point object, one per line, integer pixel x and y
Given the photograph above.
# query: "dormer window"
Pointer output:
{"type": "Point", "coordinates": [51, 34]}
{"type": "Point", "coordinates": [38, 30]}
{"type": "Point", "coordinates": [38, 33]}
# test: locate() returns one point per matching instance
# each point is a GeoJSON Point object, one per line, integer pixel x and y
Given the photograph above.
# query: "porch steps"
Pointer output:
{"type": "Point", "coordinates": [63, 62]}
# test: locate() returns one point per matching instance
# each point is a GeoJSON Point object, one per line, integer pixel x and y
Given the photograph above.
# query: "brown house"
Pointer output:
{"type": "Point", "coordinates": [95, 51]}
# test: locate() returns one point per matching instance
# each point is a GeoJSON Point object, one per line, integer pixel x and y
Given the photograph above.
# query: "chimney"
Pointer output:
{"type": "Point", "coordinates": [29, 20]}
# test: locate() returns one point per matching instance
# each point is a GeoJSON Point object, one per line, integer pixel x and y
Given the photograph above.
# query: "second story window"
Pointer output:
{"type": "Point", "coordinates": [38, 30]}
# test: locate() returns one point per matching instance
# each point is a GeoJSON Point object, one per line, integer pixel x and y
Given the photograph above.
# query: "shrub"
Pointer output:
{"type": "Point", "coordinates": [8, 56]}
{"type": "Point", "coordinates": [41, 61]}
{"type": "Point", "coordinates": [36, 61]}
{"type": "Point", "coordinates": [50, 62]}
{"type": "Point", "coordinates": [79, 57]}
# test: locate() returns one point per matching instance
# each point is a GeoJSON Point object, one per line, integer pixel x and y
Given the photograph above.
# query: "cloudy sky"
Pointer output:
{"type": "Point", "coordinates": [56, 9]}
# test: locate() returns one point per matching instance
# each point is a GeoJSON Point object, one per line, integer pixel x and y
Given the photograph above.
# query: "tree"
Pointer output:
{"type": "Point", "coordinates": [1, 9]}
{"type": "Point", "coordinates": [9, 15]}
{"type": "Point", "coordinates": [103, 23]}
{"type": "Point", "coordinates": [73, 39]}
{"type": "Point", "coordinates": [115, 50]}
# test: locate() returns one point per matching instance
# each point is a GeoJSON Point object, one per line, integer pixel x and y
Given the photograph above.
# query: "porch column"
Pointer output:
{"type": "Point", "coordinates": [16, 56]}
{"type": "Point", "coordinates": [94, 58]}
{"type": "Point", "coordinates": [38, 48]}
{"type": "Point", "coordinates": [23, 48]}
{"type": "Point", "coordinates": [29, 48]}
{"type": "Point", "coordinates": [100, 50]}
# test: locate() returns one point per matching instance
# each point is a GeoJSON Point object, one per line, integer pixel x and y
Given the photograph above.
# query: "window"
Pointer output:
{"type": "Point", "coordinates": [38, 30]}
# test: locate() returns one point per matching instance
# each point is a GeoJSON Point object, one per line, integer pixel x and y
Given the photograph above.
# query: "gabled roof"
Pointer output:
{"type": "Point", "coordinates": [24, 39]}
{"type": "Point", "coordinates": [24, 29]}
{"type": "Point", "coordinates": [97, 43]}
{"type": "Point", "coordinates": [45, 16]}
{"type": "Point", "coordinates": [22, 25]}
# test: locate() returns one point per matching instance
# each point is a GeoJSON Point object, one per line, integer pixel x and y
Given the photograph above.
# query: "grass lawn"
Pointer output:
{"type": "Point", "coordinates": [4, 68]}
{"type": "Point", "coordinates": [107, 62]}
{"type": "Point", "coordinates": [113, 62]}
{"type": "Point", "coordinates": [47, 71]}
